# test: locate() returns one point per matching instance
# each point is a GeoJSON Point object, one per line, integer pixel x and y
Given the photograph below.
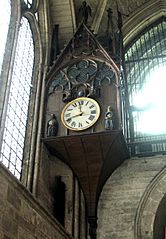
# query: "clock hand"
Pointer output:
{"type": "Point", "coordinates": [80, 108]}
{"type": "Point", "coordinates": [85, 113]}
{"type": "Point", "coordinates": [75, 115]}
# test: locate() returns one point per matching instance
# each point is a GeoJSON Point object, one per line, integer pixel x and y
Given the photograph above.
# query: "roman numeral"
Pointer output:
{"type": "Point", "coordinates": [87, 103]}
{"type": "Point", "coordinates": [80, 125]}
{"type": "Point", "coordinates": [68, 115]}
{"type": "Point", "coordinates": [81, 102]}
{"type": "Point", "coordinates": [92, 106]}
{"type": "Point", "coordinates": [74, 104]}
{"type": "Point", "coordinates": [69, 109]}
{"type": "Point", "coordinates": [93, 112]}
{"type": "Point", "coordinates": [73, 124]}
{"type": "Point", "coordinates": [68, 120]}
{"type": "Point", "coordinates": [91, 117]}
{"type": "Point", "coordinates": [87, 122]}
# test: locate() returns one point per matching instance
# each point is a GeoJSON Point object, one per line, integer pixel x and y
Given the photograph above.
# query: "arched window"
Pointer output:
{"type": "Point", "coordinates": [145, 98]}
{"type": "Point", "coordinates": [5, 13]}
{"type": "Point", "coordinates": [16, 113]}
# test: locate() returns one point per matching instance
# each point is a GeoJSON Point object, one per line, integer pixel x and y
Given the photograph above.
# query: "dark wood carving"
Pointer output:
{"type": "Point", "coordinates": [86, 75]}
{"type": "Point", "coordinates": [83, 46]}
{"type": "Point", "coordinates": [85, 69]}
{"type": "Point", "coordinates": [93, 158]}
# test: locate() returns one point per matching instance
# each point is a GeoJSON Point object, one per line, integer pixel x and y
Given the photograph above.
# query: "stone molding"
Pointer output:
{"type": "Point", "coordinates": [145, 216]}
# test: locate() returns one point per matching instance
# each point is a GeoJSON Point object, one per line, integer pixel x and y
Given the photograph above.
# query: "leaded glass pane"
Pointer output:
{"type": "Point", "coordinates": [17, 111]}
{"type": "Point", "coordinates": [146, 83]}
{"type": "Point", "coordinates": [28, 2]}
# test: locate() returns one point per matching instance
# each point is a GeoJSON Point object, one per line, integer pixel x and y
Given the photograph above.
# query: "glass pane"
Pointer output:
{"type": "Point", "coordinates": [28, 2]}
{"type": "Point", "coordinates": [17, 111]}
{"type": "Point", "coordinates": [146, 70]}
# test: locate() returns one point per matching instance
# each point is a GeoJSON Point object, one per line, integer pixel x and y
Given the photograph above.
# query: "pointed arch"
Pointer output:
{"type": "Point", "coordinates": [22, 88]}
{"type": "Point", "coordinates": [141, 18]}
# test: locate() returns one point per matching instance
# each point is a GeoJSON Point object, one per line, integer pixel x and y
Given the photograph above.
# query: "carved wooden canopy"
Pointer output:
{"type": "Point", "coordinates": [93, 158]}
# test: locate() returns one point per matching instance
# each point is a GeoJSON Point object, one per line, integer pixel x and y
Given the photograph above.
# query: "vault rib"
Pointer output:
{"type": "Point", "coordinates": [98, 16]}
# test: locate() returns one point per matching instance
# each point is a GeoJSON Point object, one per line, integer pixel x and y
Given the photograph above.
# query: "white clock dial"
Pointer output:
{"type": "Point", "coordinates": [80, 113]}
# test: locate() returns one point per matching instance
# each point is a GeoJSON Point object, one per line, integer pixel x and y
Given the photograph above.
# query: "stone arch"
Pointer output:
{"type": "Point", "coordinates": [36, 36]}
{"type": "Point", "coordinates": [125, 196]}
{"type": "Point", "coordinates": [34, 106]}
{"type": "Point", "coordinates": [42, 35]}
{"type": "Point", "coordinates": [141, 18]}
{"type": "Point", "coordinates": [160, 218]}
{"type": "Point", "coordinates": [145, 216]}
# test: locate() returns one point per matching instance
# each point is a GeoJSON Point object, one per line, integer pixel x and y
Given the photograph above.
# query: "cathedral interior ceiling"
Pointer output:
{"type": "Point", "coordinates": [66, 14]}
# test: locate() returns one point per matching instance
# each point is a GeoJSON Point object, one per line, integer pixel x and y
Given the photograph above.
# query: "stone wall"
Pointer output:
{"type": "Point", "coordinates": [121, 196]}
{"type": "Point", "coordinates": [21, 216]}
{"type": "Point", "coordinates": [74, 208]}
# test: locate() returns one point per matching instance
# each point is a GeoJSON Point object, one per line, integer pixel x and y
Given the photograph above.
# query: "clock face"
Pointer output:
{"type": "Point", "coordinates": [80, 113]}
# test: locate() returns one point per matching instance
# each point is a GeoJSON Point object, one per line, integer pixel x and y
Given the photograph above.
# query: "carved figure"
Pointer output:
{"type": "Point", "coordinates": [85, 11]}
{"type": "Point", "coordinates": [109, 118]}
{"type": "Point", "coordinates": [52, 126]}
